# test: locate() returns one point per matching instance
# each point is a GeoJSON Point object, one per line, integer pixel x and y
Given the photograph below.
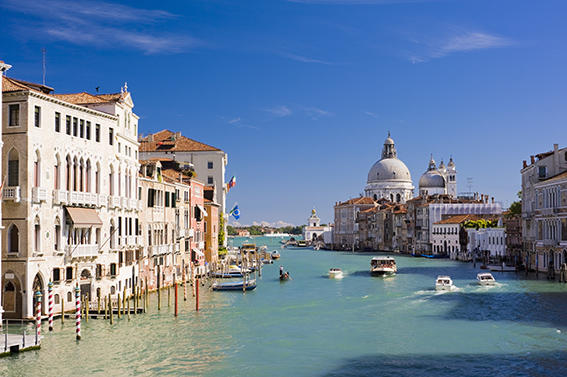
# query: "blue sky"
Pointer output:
{"type": "Point", "coordinates": [301, 94]}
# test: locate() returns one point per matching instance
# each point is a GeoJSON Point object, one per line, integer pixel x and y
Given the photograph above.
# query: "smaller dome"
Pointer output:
{"type": "Point", "coordinates": [431, 179]}
{"type": "Point", "coordinates": [389, 141]}
{"type": "Point", "coordinates": [451, 163]}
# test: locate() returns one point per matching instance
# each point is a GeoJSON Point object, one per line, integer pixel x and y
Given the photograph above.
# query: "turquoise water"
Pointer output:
{"type": "Point", "coordinates": [314, 326]}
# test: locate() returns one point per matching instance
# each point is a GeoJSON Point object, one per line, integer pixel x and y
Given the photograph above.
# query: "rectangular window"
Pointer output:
{"type": "Point", "coordinates": [113, 269]}
{"type": "Point", "coordinates": [75, 126]}
{"type": "Point", "coordinates": [97, 133]}
{"type": "Point", "coordinates": [111, 136]}
{"type": "Point", "coordinates": [69, 273]}
{"type": "Point", "coordinates": [98, 271]}
{"type": "Point", "coordinates": [564, 229]}
{"type": "Point", "coordinates": [68, 125]}
{"type": "Point", "coordinates": [57, 237]}
{"type": "Point", "coordinates": [57, 122]}
{"type": "Point", "coordinates": [167, 199]}
{"type": "Point", "coordinates": [119, 226]}
{"type": "Point", "coordinates": [13, 173]}
{"type": "Point", "coordinates": [173, 199]}
{"type": "Point", "coordinates": [37, 116]}
{"type": "Point", "coordinates": [209, 180]}
{"type": "Point", "coordinates": [56, 275]}
{"type": "Point", "coordinates": [210, 165]}
{"type": "Point", "coordinates": [88, 130]}
{"type": "Point", "coordinates": [13, 115]}
{"type": "Point", "coordinates": [82, 133]}
{"type": "Point", "coordinates": [542, 171]}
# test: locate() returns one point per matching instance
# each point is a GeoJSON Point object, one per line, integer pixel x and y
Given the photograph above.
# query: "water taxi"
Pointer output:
{"type": "Point", "coordinates": [301, 243]}
{"type": "Point", "coordinates": [335, 273]}
{"type": "Point", "coordinates": [444, 283]}
{"type": "Point", "coordinates": [235, 286]}
{"type": "Point", "coordinates": [485, 278]}
{"type": "Point", "coordinates": [382, 266]}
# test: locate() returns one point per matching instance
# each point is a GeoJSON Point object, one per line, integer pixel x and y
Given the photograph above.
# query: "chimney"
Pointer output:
{"type": "Point", "coordinates": [525, 164]}
{"type": "Point", "coordinates": [177, 135]}
{"type": "Point", "coordinates": [555, 147]}
{"type": "Point", "coordinates": [532, 159]}
{"type": "Point", "coordinates": [151, 137]}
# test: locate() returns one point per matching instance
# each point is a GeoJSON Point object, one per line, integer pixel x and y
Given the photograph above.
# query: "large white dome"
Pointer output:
{"type": "Point", "coordinates": [389, 169]}
{"type": "Point", "coordinates": [431, 179]}
{"type": "Point", "coordinates": [389, 177]}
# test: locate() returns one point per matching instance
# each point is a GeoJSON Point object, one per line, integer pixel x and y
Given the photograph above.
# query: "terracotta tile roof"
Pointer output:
{"type": "Point", "coordinates": [359, 200]}
{"type": "Point", "coordinates": [171, 141]}
{"type": "Point", "coordinates": [556, 177]}
{"type": "Point", "coordinates": [13, 85]}
{"type": "Point", "coordinates": [85, 98]}
{"type": "Point", "coordinates": [458, 219]}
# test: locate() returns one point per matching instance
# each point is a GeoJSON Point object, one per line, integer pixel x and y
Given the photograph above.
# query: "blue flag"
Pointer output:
{"type": "Point", "coordinates": [235, 212]}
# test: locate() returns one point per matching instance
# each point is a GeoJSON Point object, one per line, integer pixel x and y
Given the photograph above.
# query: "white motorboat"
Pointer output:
{"type": "Point", "coordinates": [335, 273]}
{"type": "Point", "coordinates": [382, 266]}
{"type": "Point", "coordinates": [485, 278]}
{"type": "Point", "coordinates": [444, 283]}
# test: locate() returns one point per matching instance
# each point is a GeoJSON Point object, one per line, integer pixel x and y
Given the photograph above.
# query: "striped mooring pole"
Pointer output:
{"type": "Point", "coordinates": [50, 304]}
{"type": "Point", "coordinates": [37, 315]}
{"type": "Point", "coordinates": [77, 313]}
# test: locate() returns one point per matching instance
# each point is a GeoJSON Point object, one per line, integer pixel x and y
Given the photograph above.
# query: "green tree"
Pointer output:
{"type": "Point", "coordinates": [516, 208]}
{"type": "Point", "coordinates": [231, 231]}
{"type": "Point", "coordinates": [221, 231]}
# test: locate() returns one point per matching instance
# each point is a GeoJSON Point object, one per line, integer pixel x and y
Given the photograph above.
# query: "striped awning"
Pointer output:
{"type": "Point", "coordinates": [83, 217]}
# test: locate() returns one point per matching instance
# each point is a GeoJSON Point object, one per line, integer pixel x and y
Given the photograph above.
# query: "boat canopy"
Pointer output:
{"type": "Point", "coordinates": [383, 258]}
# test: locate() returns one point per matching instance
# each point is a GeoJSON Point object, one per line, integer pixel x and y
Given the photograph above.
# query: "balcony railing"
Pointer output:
{"type": "Point", "coordinates": [39, 194]}
{"type": "Point", "coordinates": [124, 203]}
{"type": "Point", "coordinates": [82, 251]}
{"type": "Point", "coordinates": [60, 197]}
{"type": "Point", "coordinates": [113, 201]}
{"type": "Point", "coordinates": [12, 193]}
{"type": "Point", "coordinates": [102, 200]}
{"type": "Point", "coordinates": [160, 249]}
{"type": "Point", "coordinates": [133, 204]}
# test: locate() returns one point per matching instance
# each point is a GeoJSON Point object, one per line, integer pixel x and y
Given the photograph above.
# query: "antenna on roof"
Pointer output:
{"type": "Point", "coordinates": [470, 183]}
{"type": "Point", "coordinates": [43, 63]}
{"type": "Point", "coordinates": [97, 88]}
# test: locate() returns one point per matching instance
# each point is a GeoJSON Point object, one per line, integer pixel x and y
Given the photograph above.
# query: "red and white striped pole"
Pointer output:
{"type": "Point", "coordinates": [37, 315]}
{"type": "Point", "coordinates": [50, 304]}
{"type": "Point", "coordinates": [77, 313]}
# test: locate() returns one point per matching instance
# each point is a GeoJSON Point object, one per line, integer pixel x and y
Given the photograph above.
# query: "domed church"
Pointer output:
{"type": "Point", "coordinates": [389, 177]}
{"type": "Point", "coordinates": [439, 181]}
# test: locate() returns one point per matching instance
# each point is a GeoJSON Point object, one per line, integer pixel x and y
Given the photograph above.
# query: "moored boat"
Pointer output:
{"type": "Point", "coordinates": [335, 273]}
{"type": "Point", "coordinates": [444, 283]}
{"type": "Point", "coordinates": [383, 266]}
{"type": "Point", "coordinates": [275, 255]}
{"type": "Point", "coordinates": [485, 278]}
{"type": "Point", "coordinates": [501, 268]}
{"type": "Point", "coordinates": [235, 286]}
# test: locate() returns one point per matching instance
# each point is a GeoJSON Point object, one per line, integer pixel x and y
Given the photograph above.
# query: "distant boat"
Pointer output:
{"type": "Point", "coordinates": [234, 286]}
{"type": "Point", "coordinates": [444, 283]}
{"type": "Point", "coordinates": [485, 278]}
{"type": "Point", "coordinates": [435, 256]}
{"type": "Point", "coordinates": [335, 273]}
{"type": "Point", "coordinates": [383, 266]}
{"type": "Point", "coordinates": [275, 255]}
{"type": "Point", "coordinates": [301, 243]}
{"type": "Point", "coordinates": [285, 276]}
{"type": "Point", "coordinates": [501, 268]}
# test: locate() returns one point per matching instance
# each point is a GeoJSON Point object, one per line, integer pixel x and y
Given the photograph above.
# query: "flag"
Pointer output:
{"type": "Point", "coordinates": [231, 183]}
{"type": "Point", "coordinates": [235, 212]}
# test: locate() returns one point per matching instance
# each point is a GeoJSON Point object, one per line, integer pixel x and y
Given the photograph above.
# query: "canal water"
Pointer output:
{"type": "Point", "coordinates": [314, 326]}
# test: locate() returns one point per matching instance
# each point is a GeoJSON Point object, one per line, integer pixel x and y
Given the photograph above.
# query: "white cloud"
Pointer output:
{"type": "Point", "coordinates": [99, 24]}
{"type": "Point", "coordinates": [304, 59]}
{"type": "Point", "coordinates": [459, 42]}
{"type": "Point", "coordinates": [371, 114]}
{"type": "Point", "coordinates": [358, 2]}
{"type": "Point", "coordinates": [280, 111]}
{"type": "Point", "coordinates": [234, 120]}
{"type": "Point", "coordinates": [316, 113]}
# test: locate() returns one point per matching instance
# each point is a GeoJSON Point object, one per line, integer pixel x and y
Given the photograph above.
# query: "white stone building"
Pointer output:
{"type": "Point", "coordinates": [3, 68]}
{"type": "Point", "coordinates": [487, 241]}
{"type": "Point", "coordinates": [314, 228]}
{"type": "Point", "coordinates": [544, 210]}
{"type": "Point", "coordinates": [389, 178]}
{"type": "Point", "coordinates": [70, 206]}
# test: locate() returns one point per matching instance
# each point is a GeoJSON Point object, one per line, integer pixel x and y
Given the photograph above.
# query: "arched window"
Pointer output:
{"type": "Point", "coordinates": [375, 197]}
{"type": "Point", "coordinates": [75, 174]}
{"type": "Point", "coordinates": [111, 181]}
{"type": "Point", "coordinates": [391, 197]}
{"type": "Point", "coordinates": [37, 235]}
{"type": "Point", "coordinates": [56, 299]}
{"type": "Point", "coordinates": [82, 175]}
{"type": "Point", "coordinates": [88, 177]}
{"type": "Point", "coordinates": [69, 297]}
{"type": "Point", "coordinates": [97, 178]}
{"type": "Point", "coordinates": [398, 198]}
{"type": "Point", "coordinates": [57, 235]}
{"type": "Point", "coordinates": [36, 170]}
{"type": "Point", "coordinates": [57, 174]}
{"type": "Point", "coordinates": [69, 173]}
{"type": "Point", "coordinates": [13, 168]}
{"type": "Point", "coordinates": [13, 239]}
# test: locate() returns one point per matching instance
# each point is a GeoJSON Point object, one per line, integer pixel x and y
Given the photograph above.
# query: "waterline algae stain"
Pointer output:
{"type": "Point", "coordinates": [316, 326]}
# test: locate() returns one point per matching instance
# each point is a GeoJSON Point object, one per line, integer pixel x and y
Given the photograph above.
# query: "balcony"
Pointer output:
{"type": "Point", "coordinates": [159, 249]}
{"type": "Point", "coordinates": [157, 214]}
{"type": "Point", "coordinates": [124, 203]}
{"type": "Point", "coordinates": [39, 194]}
{"type": "Point", "coordinates": [133, 204]}
{"type": "Point", "coordinates": [60, 197]}
{"type": "Point", "coordinates": [113, 201]}
{"type": "Point", "coordinates": [130, 241]}
{"type": "Point", "coordinates": [82, 251]}
{"type": "Point", "coordinates": [102, 200]}
{"type": "Point", "coordinates": [12, 193]}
